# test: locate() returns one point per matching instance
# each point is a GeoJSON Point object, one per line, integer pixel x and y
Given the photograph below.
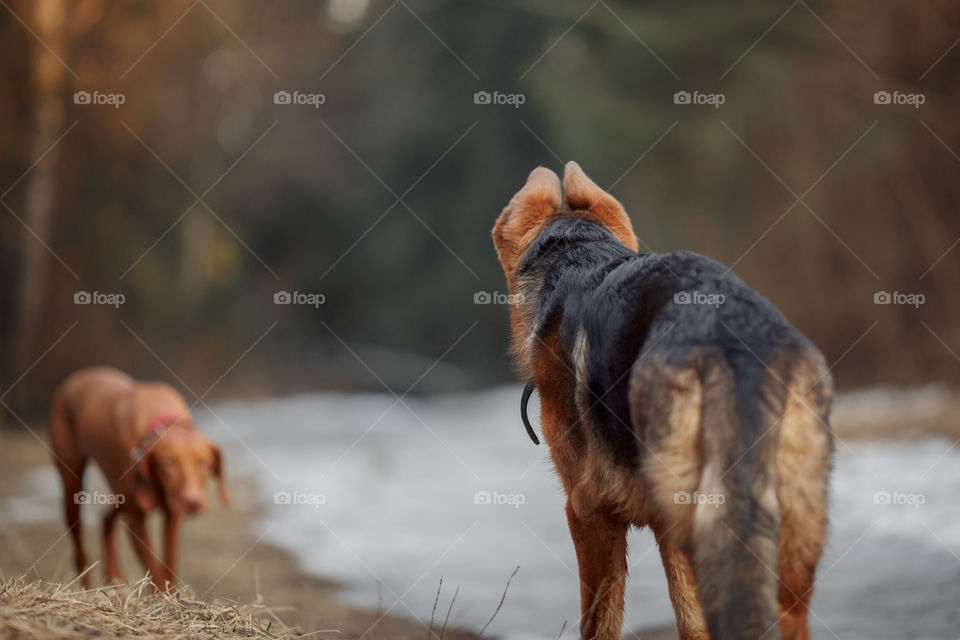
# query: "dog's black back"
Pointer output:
{"type": "Point", "coordinates": [625, 305]}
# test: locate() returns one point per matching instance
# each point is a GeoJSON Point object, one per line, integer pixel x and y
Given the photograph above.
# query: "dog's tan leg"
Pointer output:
{"type": "Point", "coordinates": [683, 591]}
{"type": "Point", "coordinates": [71, 477]}
{"type": "Point", "coordinates": [601, 544]}
{"type": "Point", "coordinates": [70, 464]}
{"type": "Point", "coordinates": [114, 573]}
{"type": "Point", "coordinates": [136, 521]}
{"type": "Point", "coordinates": [172, 530]}
{"type": "Point", "coordinates": [802, 468]}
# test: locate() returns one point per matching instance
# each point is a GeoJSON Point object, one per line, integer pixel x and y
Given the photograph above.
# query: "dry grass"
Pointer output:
{"type": "Point", "coordinates": [45, 610]}
{"type": "Point", "coordinates": [42, 610]}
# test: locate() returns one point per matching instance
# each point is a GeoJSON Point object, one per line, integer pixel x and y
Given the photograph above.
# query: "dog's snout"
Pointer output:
{"type": "Point", "coordinates": [193, 501]}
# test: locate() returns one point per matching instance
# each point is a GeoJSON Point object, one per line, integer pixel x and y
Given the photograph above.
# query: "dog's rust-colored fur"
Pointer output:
{"type": "Point", "coordinates": [685, 418]}
{"type": "Point", "coordinates": [101, 414]}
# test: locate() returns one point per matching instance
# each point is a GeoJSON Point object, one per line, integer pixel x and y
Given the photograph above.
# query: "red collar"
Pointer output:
{"type": "Point", "coordinates": [163, 421]}
{"type": "Point", "coordinates": [160, 423]}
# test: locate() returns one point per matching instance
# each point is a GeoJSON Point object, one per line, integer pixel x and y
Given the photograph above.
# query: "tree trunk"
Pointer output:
{"type": "Point", "coordinates": [49, 77]}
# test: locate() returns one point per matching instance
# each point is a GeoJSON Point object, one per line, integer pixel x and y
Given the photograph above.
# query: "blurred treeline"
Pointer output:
{"type": "Point", "coordinates": [296, 202]}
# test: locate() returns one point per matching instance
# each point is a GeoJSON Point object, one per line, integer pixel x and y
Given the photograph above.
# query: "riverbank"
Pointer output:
{"type": "Point", "coordinates": [220, 556]}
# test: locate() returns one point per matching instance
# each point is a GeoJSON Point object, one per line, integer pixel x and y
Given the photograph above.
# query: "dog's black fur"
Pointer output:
{"type": "Point", "coordinates": [582, 276]}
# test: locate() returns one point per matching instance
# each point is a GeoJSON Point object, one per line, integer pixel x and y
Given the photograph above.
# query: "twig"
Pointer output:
{"type": "Point", "coordinates": [562, 629]}
{"type": "Point", "coordinates": [80, 577]}
{"type": "Point", "coordinates": [449, 609]}
{"type": "Point", "coordinates": [502, 598]}
{"type": "Point", "coordinates": [434, 612]}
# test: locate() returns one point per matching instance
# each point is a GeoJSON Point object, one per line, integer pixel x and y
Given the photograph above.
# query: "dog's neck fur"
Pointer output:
{"type": "Point", "coordinates": [563, 264]}
{"type": "Point", "coordinates": [588, 304]}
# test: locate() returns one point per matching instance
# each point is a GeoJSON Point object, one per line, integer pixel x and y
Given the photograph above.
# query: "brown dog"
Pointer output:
{"type": "Point", "coordinates": [143, 439]}
{"type": "Point", "coordinates": [673, 396]}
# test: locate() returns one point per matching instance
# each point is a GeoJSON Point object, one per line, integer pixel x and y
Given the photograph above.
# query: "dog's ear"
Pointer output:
{"type": "Point", "coordinates": [218, 473]}
{"type": "Point", "coordinates": [145, 483]}
{"type": "Point", "coordinates": [539, 198]}
{"type": "Point", "coordinates": [582, 194]}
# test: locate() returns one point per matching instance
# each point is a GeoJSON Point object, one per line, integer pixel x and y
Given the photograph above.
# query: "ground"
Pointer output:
{"type": "Point", "coordinates": [220, 559]}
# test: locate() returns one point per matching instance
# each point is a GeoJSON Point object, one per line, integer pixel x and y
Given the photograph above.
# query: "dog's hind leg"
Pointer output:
{"type": "Point", "coordinates": [666, 405]}
{"type": "Point", "coordinates": [70, 464]}
{"type": "Point", "coordinates": [710, 469]}
{"type": "Point", "coordinates": [600, 540]}
{"type": "Point", "coordinates": [736, 522]}
{"type": "Point", "coordinates": [114, 573]}
{"type": "Point", "coordinates": [683, 591]}
{"type": "Point", "coordinates": [71, 475]}
{"type": "Point", "coordinates": [803, 461]}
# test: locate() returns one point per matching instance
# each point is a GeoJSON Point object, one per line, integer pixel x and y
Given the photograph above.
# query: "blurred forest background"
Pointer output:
{"type": "Point", "coordinates": [200, 197]}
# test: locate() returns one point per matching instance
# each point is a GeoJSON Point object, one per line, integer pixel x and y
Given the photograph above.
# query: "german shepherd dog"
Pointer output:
{"type": "Point", "coordinates": [672, 396]}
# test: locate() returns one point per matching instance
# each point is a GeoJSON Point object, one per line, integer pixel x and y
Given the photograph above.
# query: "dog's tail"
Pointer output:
{"type": "Point", "coordinates": [720, 506]}
{"type": "Point", "coordinates": [736, 520]}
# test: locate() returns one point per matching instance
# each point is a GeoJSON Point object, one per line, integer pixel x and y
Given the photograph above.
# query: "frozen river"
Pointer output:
{"type": "Point", "coordinates": [369, 490]}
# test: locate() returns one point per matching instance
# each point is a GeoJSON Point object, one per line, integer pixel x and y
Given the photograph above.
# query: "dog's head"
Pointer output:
{"type": "Point", "coordinates": [541, 199]}
{"type": "Point", "coordinates": [174, 470]}
{"type": "Point", "coordinates": [529, 213]}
